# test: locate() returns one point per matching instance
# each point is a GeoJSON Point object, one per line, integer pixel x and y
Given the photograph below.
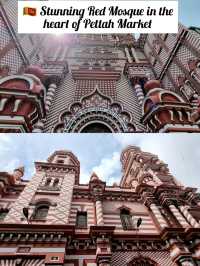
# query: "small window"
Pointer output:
{"type": "Point", "coordinates": [126, 220]}
{"type": "Point", "coordinates": [54, 258]}
{"type": "Point", "coordinates": [48, 182]}
{"type": "Point", "coordinates": [3, 214]}
{"type": "Point", "coordinates": [81, 220]}
{"type": "Point", "coordinates": [60, 161]}
{"type": "Point", "coordinates": [41, 212]}
{"type": "Point", "coordinates": [55, 183]}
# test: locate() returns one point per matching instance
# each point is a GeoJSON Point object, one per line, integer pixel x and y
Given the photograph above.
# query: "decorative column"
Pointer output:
{"type": "Point", "coordinates": [99, 212]}
{"type": "Point", "coordinates": [128, 55]}
{"type": "Point", "coordinates": [155, 210]}
{"type": "Point", "coordinates": [103, 258]}
{"type": "Point", "coordinates": [177, 214]}
{"type": "Point", "coordinates": [39, 126]}
{"type": "Point", "coordinates": [139, 93]}
{"type": "Point", "coordinates": [97, 188]}
{"type": "Point", "coordinates": [134, 55]}
{"type": "Point", "coordinates": [180, 253]}
{"type": "Point", "coordinates": [188, 216]}
{"type": "Point", "coordinates": [149, 201]}
{"type": "Point", "coordinates": [50, 96]}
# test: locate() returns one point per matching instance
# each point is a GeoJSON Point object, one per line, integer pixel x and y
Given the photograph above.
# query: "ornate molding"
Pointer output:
{"type": "Point", "coordinates": [95, 107]}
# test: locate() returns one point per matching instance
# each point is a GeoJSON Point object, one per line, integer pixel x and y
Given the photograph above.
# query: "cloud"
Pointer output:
{"type": "Point", "coordinates": [8, 162]}
{"type": "Point", "coordinates": [101, 153]}
{"type": "Point", "coordinates": [109, 168]}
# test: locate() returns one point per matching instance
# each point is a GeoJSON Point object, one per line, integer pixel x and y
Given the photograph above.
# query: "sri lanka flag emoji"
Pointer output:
{"type": "Point", "coordinates": [30, 11]}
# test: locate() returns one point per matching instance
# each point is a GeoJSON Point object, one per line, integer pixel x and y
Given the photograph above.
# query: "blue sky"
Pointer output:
{"type": "Point", "coordinates": [189, 12]}
{"type": "Point", "coordinates": [101, 153]}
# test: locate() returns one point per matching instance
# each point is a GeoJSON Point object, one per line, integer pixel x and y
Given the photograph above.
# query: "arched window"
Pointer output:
{"type": "Point", "coordinates": [48, 182]}
{"type": "Point", "coordinates": [41, 211]}
{"type": "Point", "coordinates": [126, 219]}
{"type": "Point", "coordinates": [142, 261]}
{"type": "Point", "coordinates": [55, 183]}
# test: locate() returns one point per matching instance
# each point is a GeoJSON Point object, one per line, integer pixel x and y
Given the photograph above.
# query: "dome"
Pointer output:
{"type": "Point", "coordinates": [160, 96]}
{"type": "Point", "coordinates": [36, 71]}
{"type": "Point", "coordinates": [152, 84]}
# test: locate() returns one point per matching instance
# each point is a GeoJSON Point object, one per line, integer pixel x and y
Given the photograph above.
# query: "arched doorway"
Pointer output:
{"type": "Point", "coordinates": [96, 127]}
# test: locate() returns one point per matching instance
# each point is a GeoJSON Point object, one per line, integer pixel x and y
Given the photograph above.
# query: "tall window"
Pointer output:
{"type": "Point", "coordinates": [41, 212]}
{"type": "Point", "coordinates": [81, 220]}
{"type": "Point", "coordinates": [126, 220]}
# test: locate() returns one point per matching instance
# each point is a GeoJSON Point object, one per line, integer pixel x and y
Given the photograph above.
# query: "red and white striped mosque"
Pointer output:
{"type": "Point", "coordinates": [98, 83]}
{"type": "Point", "coordinates": [149, 219]}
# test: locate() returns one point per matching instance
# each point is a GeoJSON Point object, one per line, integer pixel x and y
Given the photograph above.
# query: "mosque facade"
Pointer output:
{"type": "Point", "coordinates": [98, 83]}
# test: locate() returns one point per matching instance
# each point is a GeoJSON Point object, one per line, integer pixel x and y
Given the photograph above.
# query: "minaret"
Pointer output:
{"type": "Point", "coordinates": [58, 175]}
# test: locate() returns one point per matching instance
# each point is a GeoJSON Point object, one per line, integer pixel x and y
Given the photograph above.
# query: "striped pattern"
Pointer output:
{"type": "Point", "coordinates": [25, 262]}
{"type": "Point", "coordinates": [147, 226]}
{"type": "Point", "coordinates": [127, 95]}
{"type": "Point", "coordinates": [178, 216]}
{"type": "Point", "coordinates": [122, 258]}
{"type": "Point", "coordinates": [82, 206]}
{"type": "Point", "coordinates": [158, 216]}
{"type": "Point", "coordinates": [15, 214]}
{"type": "Point", "coordinates": [31, 44]}
{"type": "Point", "coordinates": [188, 216]}
{"type": "Point", "coordinates": [62, 210]}
{"type": "Point", "coordinates": [50, 96]}
{"type": "Point", "coordinates": [194, 40]}
{"type": "Point", "coordinates": [139, 94]}
{"type": "Point", "coordinates": [99, 212]}
{"type": "Point", "coordinates": [63, 98]}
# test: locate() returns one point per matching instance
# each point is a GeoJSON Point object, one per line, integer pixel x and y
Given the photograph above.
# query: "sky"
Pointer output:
{"type": "Point", "coordinates": [189, 12]}
{"type": "Point", "coordinates": [101, 153]}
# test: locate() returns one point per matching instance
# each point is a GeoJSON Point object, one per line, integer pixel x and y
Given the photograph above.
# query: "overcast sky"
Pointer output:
{"type": "Point", "coordinates": [101, 153]}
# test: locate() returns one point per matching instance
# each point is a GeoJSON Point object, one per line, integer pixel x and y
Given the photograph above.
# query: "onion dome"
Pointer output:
{"type": "Point", "coordinates": [36, 71]}
{"type": "Point", "coordinates": [152, 84]}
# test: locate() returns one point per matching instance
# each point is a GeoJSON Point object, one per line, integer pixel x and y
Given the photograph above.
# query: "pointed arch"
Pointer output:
{"type": "Point", "coordinates": [95, 108]}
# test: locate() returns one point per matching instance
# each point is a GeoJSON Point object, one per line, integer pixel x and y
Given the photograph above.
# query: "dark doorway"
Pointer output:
{"type": "Point", "coordinates": [96, 128]}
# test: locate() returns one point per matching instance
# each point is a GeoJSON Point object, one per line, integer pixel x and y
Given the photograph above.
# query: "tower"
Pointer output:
{"type": "Point", "coordinates": [58, 175]}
